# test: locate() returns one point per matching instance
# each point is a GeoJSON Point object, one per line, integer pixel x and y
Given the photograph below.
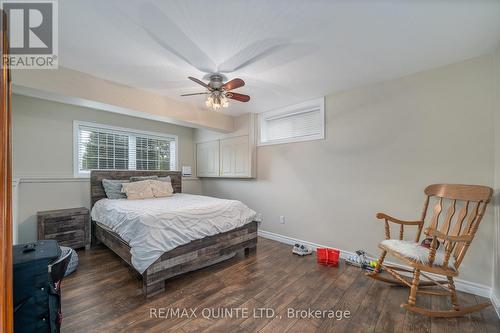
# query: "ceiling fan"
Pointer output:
{"type": "Point", "coordinates": [219, 92]}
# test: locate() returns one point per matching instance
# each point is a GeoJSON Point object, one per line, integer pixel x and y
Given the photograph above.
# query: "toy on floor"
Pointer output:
{"type": "Point", "coordinates": [327, 257]}
{"type": "Point", "coordinates": [301, 250]}
{"type": "Point", "coordinates": [427, 243]}
{"type": "Point", "coordinates": [359, 260]}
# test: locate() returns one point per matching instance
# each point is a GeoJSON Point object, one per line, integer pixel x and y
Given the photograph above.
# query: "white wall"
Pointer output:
{"type": "Point", "coordinates": [384, 143]}
{"type": "Point", "coordinates": [43, 155]}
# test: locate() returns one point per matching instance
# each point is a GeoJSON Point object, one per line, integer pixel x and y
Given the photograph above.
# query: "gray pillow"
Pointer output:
{"type": "Point", "coordinates": [140, 178]}
{"type": "Point", "coordinates": [166, 179]}
{"type": "Point", "coordinates": [113, 188]}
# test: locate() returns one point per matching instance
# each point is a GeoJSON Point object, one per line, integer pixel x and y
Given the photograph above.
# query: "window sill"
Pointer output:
{"type": "Point", "coordinates": [280, 142]}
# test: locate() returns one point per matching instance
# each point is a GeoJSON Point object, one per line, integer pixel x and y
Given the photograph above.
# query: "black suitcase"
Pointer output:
{"type": "Point", "coordinates": [36, 293]}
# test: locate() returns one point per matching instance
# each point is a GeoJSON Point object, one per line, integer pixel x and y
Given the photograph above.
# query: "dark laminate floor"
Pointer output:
{"type": "Point", "coordinates": [104, 296]}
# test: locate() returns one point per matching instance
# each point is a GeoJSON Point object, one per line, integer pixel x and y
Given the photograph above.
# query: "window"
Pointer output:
{"type": "Point", "coordinates": [104, 147]}
{"type": "Point", "coordinates": [300, 122]}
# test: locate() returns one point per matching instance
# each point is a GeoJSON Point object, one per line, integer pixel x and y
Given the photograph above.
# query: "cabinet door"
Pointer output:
{"type": "Point", "coordinates": [207, 159]}
{"type": "Point", "coordinates": [235, 157]}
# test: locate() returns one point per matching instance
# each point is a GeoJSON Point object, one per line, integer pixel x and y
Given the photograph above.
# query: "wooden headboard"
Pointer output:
{"type": "Point", "coordinates": [96, 177]}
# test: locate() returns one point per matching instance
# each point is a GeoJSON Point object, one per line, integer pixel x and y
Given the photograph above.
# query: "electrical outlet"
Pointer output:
{"type": "Point", "coordinates": [282, 219]}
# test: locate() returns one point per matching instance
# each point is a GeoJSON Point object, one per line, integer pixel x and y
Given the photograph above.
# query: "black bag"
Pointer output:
{"type": "Point", "coordinates": [37, 298]}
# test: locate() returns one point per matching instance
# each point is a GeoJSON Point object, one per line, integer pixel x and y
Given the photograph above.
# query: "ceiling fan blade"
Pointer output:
{"type": "Point", "coordinates": [238, 97]}
{"type": "Point", "coordinates": [171, 37]}
{"type": "Point", "coordinates": [233, 84]}
{"type": "Point", "coordinates": [252, 53]}
{"type": "Point", "coordinates": [200, 82]}
{"type": "Point", "coordinates": [203, 93]}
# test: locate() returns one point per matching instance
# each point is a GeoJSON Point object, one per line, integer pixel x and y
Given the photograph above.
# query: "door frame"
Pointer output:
{"type": "Point", "coordinates": [6, 287]}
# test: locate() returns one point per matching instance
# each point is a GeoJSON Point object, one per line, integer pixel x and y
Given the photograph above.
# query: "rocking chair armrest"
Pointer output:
{"type": "Point", "coordinates": [382, 216]}
{"type": "Point", "coordinates": [455, 239]}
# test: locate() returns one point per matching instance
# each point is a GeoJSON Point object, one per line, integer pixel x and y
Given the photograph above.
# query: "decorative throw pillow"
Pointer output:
{"type": "Point", "coordinates": [113, 188]}
{"type": "Point", "coordinates": [161, 188]}
{"type": "Point", "coordinates": [140, 178]}
{"type": "Point", "coordinates": [138, 190]}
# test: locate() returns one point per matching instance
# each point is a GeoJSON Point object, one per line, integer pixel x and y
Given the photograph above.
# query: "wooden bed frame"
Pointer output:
{"type": "Point", "coordinates": [189, 257]}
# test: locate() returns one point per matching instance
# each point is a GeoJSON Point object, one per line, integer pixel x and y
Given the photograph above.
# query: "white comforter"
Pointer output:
{"type": "Point", "coordinates": [154, 226]}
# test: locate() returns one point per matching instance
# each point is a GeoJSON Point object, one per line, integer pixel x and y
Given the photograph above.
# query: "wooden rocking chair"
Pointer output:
{"type": "Point", "coordinates": [449, 241]}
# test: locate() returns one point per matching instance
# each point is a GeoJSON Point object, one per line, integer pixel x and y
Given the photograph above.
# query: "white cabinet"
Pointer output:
{"type": "Point", "coordinates": [234, 157]}
{"type": "Point", "coordinates": [231, 157]}
{"type": "Point", "coordinates": [207, 159]}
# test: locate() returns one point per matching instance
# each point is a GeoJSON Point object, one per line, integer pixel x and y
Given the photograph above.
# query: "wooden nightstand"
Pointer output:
{"type": "Point", "coordinates": [69, 227]}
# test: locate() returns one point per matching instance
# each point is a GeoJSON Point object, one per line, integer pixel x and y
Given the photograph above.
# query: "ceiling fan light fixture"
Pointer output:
{"type": "Point", "coordinates": [215, 101]}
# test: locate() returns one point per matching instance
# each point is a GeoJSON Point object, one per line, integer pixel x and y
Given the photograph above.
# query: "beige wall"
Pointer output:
{"type": "Point", "coordinates": [43, 155]}
{"type": "Point", "coordinates": [496, 252]}
{"type": "Point", "coordinates": [384, 143]}
{"type": "Point", "coordinates": [243, 125]}
{"type": "Point", "coordinates": [73, 87]}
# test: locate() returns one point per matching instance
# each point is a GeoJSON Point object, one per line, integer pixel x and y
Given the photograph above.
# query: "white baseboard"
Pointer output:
{"type": "Point", "coordinates": [292, 241]}
{"type": "Point", "coordinates": [461, 285]}
{"type": "Point", "coordinates": [495, 301]}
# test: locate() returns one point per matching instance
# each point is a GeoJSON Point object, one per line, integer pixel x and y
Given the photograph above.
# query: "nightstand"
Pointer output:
{"type": "Point", "coordinates": [69, 227]}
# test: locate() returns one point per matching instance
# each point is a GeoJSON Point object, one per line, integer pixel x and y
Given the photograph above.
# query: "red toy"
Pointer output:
{"type": "Point", "coordinates": [328, 257]}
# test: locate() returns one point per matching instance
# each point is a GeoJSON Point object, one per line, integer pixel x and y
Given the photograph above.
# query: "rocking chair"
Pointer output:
{"type": "Point", "coordinates": [449, 240]}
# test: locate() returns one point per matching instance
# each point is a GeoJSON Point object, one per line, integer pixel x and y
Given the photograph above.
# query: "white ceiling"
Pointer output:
{"type": "Point", "coordinates": [287, 51]}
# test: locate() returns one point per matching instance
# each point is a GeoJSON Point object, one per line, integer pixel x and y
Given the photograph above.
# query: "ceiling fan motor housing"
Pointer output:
{"type": "Point", "coordinates": [216, 81]}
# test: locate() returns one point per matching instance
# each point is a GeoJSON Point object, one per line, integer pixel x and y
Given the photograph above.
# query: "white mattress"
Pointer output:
{"type": "Point", "coordinates": [154, 226]}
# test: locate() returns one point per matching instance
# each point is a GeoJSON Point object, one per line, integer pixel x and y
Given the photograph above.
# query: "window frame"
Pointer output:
{"type": "Point", "coordinates": [77, 173]}
{"type": "Point", "coordinates": [304, 107]}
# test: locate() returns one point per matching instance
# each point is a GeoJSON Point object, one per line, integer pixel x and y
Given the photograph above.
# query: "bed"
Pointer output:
{"type": "Point", "coordinates": [219, 244]}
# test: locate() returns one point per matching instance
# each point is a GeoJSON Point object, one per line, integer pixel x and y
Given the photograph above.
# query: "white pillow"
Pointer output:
{"type": "Point", "coordinates": [161, 188]}
{"type": "Point", "coordinates": [138, 190]}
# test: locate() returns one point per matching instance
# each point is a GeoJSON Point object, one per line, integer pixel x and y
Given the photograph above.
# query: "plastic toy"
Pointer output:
{"type": "Point", "coordinates": [327, 257]}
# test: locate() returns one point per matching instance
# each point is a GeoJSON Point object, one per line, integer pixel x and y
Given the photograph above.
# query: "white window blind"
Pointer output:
{"type": "Point", "coordinates": [154, 154]}
{"type": "Point", "coordinates": [100, 147]}
{"type": "Point", "coordinates": [305, 121]}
